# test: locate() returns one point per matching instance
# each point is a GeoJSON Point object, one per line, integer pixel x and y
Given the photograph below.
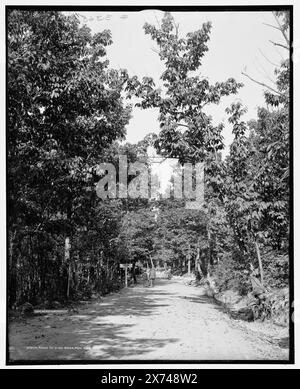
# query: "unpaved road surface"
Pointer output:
{"type": "Point", "coordinates": [171, 321]}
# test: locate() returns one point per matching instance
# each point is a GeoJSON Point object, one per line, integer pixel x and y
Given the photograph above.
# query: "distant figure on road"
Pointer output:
{"type": "Point", "coordinates": [169, 274]}
{"type": "Point", "coordinates": [147, 277]}
{"type": "Point", "coordinates": [152, 276]}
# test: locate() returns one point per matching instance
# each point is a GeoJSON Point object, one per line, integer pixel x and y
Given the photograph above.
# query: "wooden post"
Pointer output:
{"type": "Point", "coordinates": [69, 281]}
{"type": "Point", "coordinates": [126, 281]}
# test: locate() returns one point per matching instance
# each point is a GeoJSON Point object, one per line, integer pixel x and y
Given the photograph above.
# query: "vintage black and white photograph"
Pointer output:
{"type": "Point", "coordinates": [149, 184]}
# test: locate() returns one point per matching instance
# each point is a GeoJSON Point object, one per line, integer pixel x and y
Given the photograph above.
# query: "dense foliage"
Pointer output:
{"type": "Point", "coordinates": [245, 218]}
{"type": "Point", "coordinates": [66, 114]}
{"type": "Point", "coordinates": [64, 110]}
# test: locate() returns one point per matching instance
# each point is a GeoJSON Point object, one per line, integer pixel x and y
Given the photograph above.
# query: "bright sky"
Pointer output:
{"type": "Point", "coordinates": [237, 40]}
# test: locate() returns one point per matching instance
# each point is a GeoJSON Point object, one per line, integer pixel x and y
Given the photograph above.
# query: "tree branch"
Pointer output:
{"type": "Point", "coordinates": [271, 25]}
{"type": "Point", "coordinates": [267, 59]}
{"type": "Point", "coordinates": [282, 29]}
{"type": "Point", "coordinates": [157, 20]}
{"type": "Point", "coordinates": [203, 105]}
{"type": "Point", "coordinates": [176, 29]}
{"type": "Point", "coordinates": [262, 84]}
{"type": "Point", "coordinates": [183, 125]}
{"type": "Point", "coordinates": [280, 45]}
{"type": "Point", "coordinates": [279, 53]}
{"type": "Point", "coordinates": [155, 50]}
{"type": "Point", "coordinates": [264, 72]}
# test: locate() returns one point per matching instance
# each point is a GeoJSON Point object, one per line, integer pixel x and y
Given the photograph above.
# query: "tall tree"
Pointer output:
{"type": "Point", "coordinates": [64, 109]}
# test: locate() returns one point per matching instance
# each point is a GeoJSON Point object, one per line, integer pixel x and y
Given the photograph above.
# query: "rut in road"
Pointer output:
{"type": "Point", "coordinates": [171, 321]}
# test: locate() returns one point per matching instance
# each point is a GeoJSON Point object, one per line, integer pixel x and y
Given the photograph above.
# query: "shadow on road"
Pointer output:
{"type": "Point", "coordinates": [110, 341]}
{"type": "Point", "coordinates": [89, 334]}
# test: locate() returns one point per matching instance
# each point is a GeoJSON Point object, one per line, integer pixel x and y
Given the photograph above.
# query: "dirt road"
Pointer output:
{"type": "Point", "coordinates": [171, 321]}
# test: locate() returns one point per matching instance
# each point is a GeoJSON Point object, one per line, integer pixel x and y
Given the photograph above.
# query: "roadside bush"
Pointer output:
{"type": "Point", "coordinates": [276, 268]}
{"type": "Point", "coordinates": [230, 274]}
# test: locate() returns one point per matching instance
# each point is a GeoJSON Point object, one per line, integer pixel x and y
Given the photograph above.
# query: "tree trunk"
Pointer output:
{"type": "Point", "coordinates": [12, 270]}
{"type": "Point", "coordinates": [133, 273]}
{"type": "Point", "coordinates": [189, 260]}
{"type": "Point", "coordinates": [197, 263]}
{"type": "Point", "coordinates": [203, 265]}
{"type": "Point", "coordinates": [210, 248]}
{"type": "Point", "coordinates": [68, 262]}
{"type": "Point", "coordinates": [259, 263]}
